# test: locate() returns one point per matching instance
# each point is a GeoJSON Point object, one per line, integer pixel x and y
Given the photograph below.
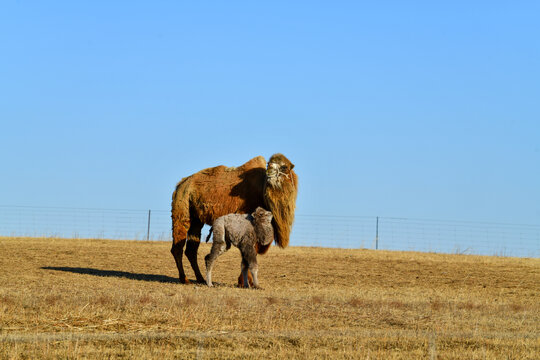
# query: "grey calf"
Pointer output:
{"type": "Point", "coordinates": [243, 231]}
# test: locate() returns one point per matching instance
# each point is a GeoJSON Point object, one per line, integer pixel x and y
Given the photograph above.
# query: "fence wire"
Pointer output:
{"type": "Point", "coordinates": [368, 232]}
{"type": "Point", "coordinates": [459, 237]}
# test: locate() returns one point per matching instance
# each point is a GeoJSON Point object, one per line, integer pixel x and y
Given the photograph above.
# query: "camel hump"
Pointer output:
{"type": "Point", "coordinates": [257, 161]}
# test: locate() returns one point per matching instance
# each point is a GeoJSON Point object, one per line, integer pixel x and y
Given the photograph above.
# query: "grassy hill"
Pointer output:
{"type": "Point", "coordinates": [74, 298]}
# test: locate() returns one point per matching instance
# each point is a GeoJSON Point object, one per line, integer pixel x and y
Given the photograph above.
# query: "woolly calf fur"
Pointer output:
{"type": "Point", "coordinates": [242, 231]}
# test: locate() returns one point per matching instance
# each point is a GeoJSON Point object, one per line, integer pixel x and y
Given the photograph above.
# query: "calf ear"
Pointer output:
{"type": "Point", "coordinates": [257, 213]}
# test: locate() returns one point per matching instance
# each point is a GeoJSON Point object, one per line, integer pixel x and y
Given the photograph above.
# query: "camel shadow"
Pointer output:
{"type": "Point", "coordinates": [251, 183]}
{"type": "Point", "coordinates": [114, 273]}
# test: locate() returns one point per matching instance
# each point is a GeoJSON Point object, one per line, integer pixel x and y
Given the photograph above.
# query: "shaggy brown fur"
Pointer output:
{"type": "Point", "coordinates": [204, 196]}
{"type": "Point", "coordinates": [281, 180]}
{"type": "Point", "coordinates": [242, 231]}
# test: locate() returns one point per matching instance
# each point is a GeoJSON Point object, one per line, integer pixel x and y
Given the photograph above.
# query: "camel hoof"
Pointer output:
{"type": "Point", "coordinates": [185, 281]}
{"type": "Point", "coordinates": [241, 280]}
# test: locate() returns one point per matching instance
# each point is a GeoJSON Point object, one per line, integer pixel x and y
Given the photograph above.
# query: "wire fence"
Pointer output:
{"type": "Point", "coordinates": [369, 232]}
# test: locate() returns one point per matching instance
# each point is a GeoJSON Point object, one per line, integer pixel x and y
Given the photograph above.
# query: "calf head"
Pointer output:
{"type": "Point", "coordinates": [262, 221]}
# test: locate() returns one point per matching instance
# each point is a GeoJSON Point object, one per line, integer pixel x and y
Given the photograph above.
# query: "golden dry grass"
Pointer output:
{"type": "Point", "coordinates": [119, 299]}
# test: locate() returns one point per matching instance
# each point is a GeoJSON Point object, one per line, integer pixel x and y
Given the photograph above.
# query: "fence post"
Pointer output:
{"type": "Point", "coordinates": [377, 234]}
{"type": "Point", "coordinates": [148, 230]}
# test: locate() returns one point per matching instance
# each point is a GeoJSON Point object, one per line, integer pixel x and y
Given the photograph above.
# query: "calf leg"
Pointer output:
{"type": "Point", "coordinates": [217, 249]}
{"type": "Point", "coordinates": [244, 274]}
{"type": "Point", "coordinates": [249, 262]}
{"type": "Point", "coordinates": [254, 270]}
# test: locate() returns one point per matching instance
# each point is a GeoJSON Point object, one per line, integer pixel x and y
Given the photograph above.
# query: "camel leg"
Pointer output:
{"type": "Point", "coordinates": [245, 274]}
{"type": "Point", "coordinates": [217, 249]}
{"type": "Point", "coordinates": [241, 279]}
{"type": "Point", "coordinates": [192, 246]}
{"type": "Point", "coordinates": [254, 270]}
{"type": "Point", "coordinates": [176, 251]}
{"type": "Point", "coordinates": [259, 249]}
{"type": "Point", "coordinates": [180, 226]}
{"type": "Point", "coordinates": [245, 279]}
{"type": "Point", "coordinates": [209, 265]}
{"type": "Point", "coordinates": [249, 261]}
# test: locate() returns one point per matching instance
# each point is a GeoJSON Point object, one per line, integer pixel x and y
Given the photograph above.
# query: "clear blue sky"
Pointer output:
{"type": "Point", "coordinates": [391, 108]}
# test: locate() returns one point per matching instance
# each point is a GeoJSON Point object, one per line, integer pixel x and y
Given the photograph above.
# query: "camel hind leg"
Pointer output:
{"type": "Point", "coordinates": [192, 247]}
{"type": "Point", "coordinates": [179, 240]}
{"type": "Point", "coordinates": [177, 252]}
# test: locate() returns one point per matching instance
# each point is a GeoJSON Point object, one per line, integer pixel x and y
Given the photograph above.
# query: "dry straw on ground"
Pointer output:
{"type": "Point", "coordinates": [120, 299]}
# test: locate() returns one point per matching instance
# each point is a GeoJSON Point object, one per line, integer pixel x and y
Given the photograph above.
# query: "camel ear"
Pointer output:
{"type": "Point", "coordinates": [292, 167]}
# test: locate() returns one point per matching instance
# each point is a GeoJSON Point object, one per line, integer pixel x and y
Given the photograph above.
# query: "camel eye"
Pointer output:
{"type": "Point", "coordinates": [283, 167]}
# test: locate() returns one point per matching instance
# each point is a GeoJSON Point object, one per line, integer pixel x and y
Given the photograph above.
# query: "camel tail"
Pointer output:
{"type": "Point", "coordinates": [180, 210]}
{"type": "Point", "coordinates": [209, 234]}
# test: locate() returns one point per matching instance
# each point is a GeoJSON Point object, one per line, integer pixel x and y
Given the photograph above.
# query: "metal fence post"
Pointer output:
{"type": "Point", "coordinates": [377, 234]}
{"type": "Point", "coordinates": [148, 230]}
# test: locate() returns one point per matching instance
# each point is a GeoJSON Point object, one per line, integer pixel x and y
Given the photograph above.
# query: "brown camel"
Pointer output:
{"type": "Point", "coordinates": [211, 193]}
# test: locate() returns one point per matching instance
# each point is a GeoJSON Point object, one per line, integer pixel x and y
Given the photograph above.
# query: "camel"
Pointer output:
{"type": "Point", "coordinates": [203, 197]}
{"type": "Point", "coordinates": [242, 231]}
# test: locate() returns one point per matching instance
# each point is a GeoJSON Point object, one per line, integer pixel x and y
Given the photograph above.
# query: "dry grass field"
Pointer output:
{"type": "Point", "coordinates": [119, 299]}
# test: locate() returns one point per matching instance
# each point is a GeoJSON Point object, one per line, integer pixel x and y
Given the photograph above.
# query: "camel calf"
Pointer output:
{"type": "Point", "coordinates": [242, 231]}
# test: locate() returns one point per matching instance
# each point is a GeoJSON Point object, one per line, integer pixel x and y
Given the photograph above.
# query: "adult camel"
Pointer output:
{"type": "Point", "coordinates": [210, 193]}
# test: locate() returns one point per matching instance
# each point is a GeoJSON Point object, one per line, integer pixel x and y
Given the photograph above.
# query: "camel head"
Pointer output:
{"type": "Point", "coordinates": [278, 170]}
{"type": "Point", "coordinates": [280, 197]}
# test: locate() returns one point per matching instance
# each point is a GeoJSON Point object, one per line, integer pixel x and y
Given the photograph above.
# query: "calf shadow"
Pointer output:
{"type": "Point", "coordinates": [114, 273]}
